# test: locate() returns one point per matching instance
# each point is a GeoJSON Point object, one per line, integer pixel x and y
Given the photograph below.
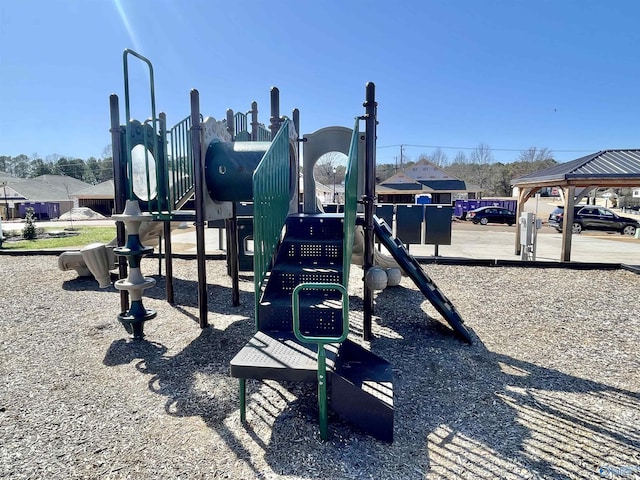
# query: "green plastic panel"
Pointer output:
{"type": "Point", "coordinates": [270, 205]}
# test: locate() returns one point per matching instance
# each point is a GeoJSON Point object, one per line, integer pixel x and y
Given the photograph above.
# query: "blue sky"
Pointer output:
{"type": "Point", "coordinates": [560, 74]}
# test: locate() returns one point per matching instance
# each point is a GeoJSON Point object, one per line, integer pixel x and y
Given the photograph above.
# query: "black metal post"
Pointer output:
{"type": "Point", "coordinates": [168, 251]}
{"type": "Point", "coordinates": [120, 187]}
{"type": "Point", "coordinates": [231, 126]}
{"type": "Point", "coordinates": [198, 177]}
{"type": "Point", "coordinates": [254, 121]}
{"type": "Point", "coordinates": [275, 111]}
{"type": "Point", "coordinates": [296, 170]}
{"type": "Point", "coordinates": [232, 256]}
{"type": "Point", "coordinates": [166, 235]}
{"type": "Point", "coordinates": [369, 200]}
{"type": "Point", "coordinates": [334, 188]}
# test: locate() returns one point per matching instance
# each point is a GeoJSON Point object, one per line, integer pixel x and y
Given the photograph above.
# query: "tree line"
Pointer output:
{"type": "Point", "coordinates": [478, 169]}
{"type": "Point", "coordinates": [92, 170]}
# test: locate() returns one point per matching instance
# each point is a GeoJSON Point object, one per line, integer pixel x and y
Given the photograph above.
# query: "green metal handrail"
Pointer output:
{"type": "Point", "coordinates": [241, 127]}
{"type": "Point", "coordinates": [270, 206]}
{"type": "Point", "coordinates": [321, 342]}
{"type": "Point", "coordinates": [180, 163]}
{"type": "Point", "coordinates": [263, 134]}
{"type": "Point", "coordinates": [350, 204]}
{"type": "Point", "coordinates": [153, 119]}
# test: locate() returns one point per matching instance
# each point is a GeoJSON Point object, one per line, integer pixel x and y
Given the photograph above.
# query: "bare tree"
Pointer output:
{"type": "Point", "coordinates": [330, 167]}
{"type": "Point", "coordinates": [482, 155]}
{"type": "Point", "coordinates": [481, 160]}
{"type": "Point", "coordinates": [107, 152]}
{"type": "Point", "coordinates": [535, 154]}
{"type": "Point", "coordinates": [460, 157]}
{"type": "Point", "coordinates": [438, 157]}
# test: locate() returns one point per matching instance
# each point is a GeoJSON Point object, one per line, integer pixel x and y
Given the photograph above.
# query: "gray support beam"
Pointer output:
{"type": "Point", "coordinates": [567, 223]}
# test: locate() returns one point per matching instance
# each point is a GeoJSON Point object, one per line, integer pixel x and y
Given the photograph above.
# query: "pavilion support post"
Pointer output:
{"type": "Point", "coordinates": [523, 195]}
{"type": "Point", "coordinates": [567, 222]}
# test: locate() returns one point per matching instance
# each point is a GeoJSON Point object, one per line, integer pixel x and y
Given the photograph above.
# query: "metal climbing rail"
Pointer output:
{"type": "Point", "coordinates": [241, 127]}
{"type": "Point", "coordinates": [144, 147]}
{"type": "Point", "coordinates": [270, 205]}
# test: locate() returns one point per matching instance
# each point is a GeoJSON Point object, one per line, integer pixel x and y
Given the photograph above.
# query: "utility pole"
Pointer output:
{"type": "Point", "coordinates": [401, 155]}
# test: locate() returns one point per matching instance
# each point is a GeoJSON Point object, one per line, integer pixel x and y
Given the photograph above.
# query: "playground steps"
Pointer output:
{"type": "Point", "coordinates": [428, 288]}
{"type": "Point", "coordinates": [360, 388]}
{"type": "Point", "coordinates": [311, 251]}
{"type": "Point", "coordinates": [360, 383]}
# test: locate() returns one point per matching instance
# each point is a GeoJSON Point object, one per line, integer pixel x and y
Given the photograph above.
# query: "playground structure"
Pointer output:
{"type": "Point", "coordinates": [301, 258]}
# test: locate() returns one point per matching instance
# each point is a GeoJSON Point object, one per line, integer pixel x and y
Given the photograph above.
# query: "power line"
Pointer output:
{"type": "Point", "coordinates": [474, 148]}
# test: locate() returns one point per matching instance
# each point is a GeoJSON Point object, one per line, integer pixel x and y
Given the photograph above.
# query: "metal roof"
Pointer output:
{"type": "Point", "coordinates": [443, 185]}
{"type": "Point", "coordinates": [401, 186]}
{"type": "Point", "coordinates": [605, 165]}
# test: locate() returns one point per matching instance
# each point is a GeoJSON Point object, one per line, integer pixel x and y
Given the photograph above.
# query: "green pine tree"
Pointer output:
{"type": "Point", "coordinates": [29, 230]}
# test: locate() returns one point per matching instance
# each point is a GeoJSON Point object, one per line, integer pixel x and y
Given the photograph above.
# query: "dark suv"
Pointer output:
{"type": "Point", "coordinates": [592, 217]}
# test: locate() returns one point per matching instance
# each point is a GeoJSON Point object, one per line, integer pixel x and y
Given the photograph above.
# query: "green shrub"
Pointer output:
{"type": "Point", "coordinates": [29, 230]}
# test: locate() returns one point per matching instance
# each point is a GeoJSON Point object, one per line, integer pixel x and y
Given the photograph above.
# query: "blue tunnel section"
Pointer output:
{"type": "Point", "coordinates": [229, 168]}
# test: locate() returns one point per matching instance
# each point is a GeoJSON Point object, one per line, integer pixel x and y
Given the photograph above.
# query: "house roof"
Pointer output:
{"type": "Point", "coordinates": [604, 168]}
{"type": "Point", "coordinates": [101, 190]}
{"type": "Point", "coordinates": [444, 184]}
{"type": "Point", "coordinates": [400, 186]}
{"type": "Point", "coordinates": [423, 177]}
{"type": "Point", "coordinates": [48, 188]}
{"type": "Point", "coordinates": [6, 178]}
{"type": "Point", "coordinates": [405, 190]}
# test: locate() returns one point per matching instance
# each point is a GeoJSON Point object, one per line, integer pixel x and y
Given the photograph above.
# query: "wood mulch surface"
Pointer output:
{"type": "Point", "coordinates": [550, 389]}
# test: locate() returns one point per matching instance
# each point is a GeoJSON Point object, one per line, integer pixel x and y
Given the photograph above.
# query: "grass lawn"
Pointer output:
{"type": "Point", "coordinates": [85, 236]}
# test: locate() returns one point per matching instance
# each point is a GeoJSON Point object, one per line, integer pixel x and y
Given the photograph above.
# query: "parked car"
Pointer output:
{"type": "Point", "coordinates": [593, 217]}
{"type": "Point", "coordinates": [484, 215]}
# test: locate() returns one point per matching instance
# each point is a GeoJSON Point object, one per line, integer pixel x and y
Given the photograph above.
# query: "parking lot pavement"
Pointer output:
{"type": "Point", "coordinates": [488, 242]}
{"type": "Point", "coordinates": [499, 243]}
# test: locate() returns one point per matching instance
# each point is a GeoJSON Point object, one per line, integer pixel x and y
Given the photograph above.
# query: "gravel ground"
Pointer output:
{"type": "Point", "coordinates": [550, 389]}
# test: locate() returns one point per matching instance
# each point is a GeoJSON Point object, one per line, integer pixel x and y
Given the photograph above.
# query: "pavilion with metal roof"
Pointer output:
{"type": "Point", "coordinates": [603, 169]}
